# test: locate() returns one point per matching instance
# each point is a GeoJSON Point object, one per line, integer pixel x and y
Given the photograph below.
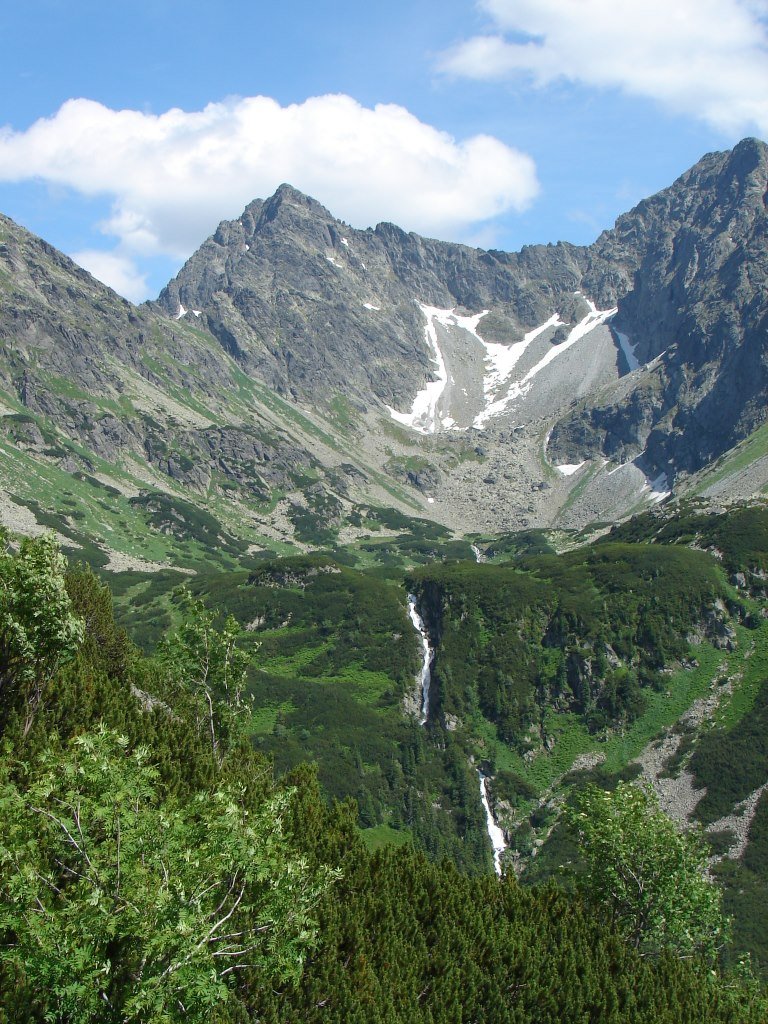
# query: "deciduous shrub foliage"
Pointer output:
{"type": "Point", "coordinates": [209, 664]}
{"type": "Point", "coordinates": [37, 628]}
{"type": "Point", "coordinates": [125, 906]}
{"type": "Point", "coordinates": [649, 876]}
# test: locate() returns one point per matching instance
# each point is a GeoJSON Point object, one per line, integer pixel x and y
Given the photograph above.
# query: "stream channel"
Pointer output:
{"type": "Point", "coordinates": [425, 675]}
{"type": "Point", "coordinates": [495, 834]}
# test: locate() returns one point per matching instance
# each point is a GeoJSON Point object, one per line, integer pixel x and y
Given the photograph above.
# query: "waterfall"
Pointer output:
{"type": "Point", "coordinates": [498, 842]}
{"type": "Point", "coordinates": [479, 557]}
{"type": "Point", "coordinates": [425, 675]}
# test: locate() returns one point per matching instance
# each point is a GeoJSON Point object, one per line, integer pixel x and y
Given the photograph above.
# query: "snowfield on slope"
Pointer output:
{"type": "Point", "coordinates": [475, 381]}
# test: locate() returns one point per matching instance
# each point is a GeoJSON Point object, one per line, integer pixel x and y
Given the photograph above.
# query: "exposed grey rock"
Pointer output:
{"type": "Point", "coordinates": [288, 301]}
{"type": "Point", "coordinates": [285, 288]}
{"type": "Point", "coordinates": [698, 302]}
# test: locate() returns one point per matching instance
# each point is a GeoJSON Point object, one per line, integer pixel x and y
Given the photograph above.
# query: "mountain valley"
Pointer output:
{"type": "Point", "coordinates": [534, 482]}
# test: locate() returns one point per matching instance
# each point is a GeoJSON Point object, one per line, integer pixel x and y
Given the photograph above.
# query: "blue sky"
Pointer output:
{"type": "Point", "coordinates": [128, 130]}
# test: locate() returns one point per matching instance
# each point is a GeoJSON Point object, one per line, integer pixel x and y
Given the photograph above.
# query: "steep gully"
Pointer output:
{"type": "Point", "coordinates": [425, 676]}
{"type": "Point", "coordinates": [495, 834]}
{"type": "Point", "coordinates": [457, 399]}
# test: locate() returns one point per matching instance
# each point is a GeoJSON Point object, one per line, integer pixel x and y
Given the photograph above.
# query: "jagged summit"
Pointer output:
{"type": "Point", "coordinates": [442, 337]}
{"type": "Point", "coordinates": [288, 206]}
{"type": "Point", "coordinates": [487, 390]}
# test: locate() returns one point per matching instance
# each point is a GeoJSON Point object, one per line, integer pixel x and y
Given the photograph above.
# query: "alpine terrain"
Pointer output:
{"type": "Point", "coordinates": [298, 372]}
{"type": "Point", "coordinates": [390, 551]}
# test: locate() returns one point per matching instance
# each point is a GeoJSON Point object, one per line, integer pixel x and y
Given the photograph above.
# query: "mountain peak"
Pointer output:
{"type": "Point", "coordinates": [287, 198]}
{"type": "Point", "coordinates": [287, 193]}
{"type": "Point", "coordinates": [746, 157]}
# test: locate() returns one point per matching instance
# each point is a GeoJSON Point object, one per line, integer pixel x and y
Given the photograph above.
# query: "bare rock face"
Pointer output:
{"type": "Point", "coordinates": [298, 299]}
{"type": "Point", "coordinates": [696, 311]}
{"type": "Point", "coordinates": [293, 351]}
{"type": "Point", "coordinates": [315, 308]}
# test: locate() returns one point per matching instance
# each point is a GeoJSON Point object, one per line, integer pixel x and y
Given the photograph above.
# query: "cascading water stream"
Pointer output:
{"type": "Point", "coordinates": [498, 842]}
{"type": "Point", "coordinates": [425, 675]}
{"type": "Point", "coordinates": [495, 834]}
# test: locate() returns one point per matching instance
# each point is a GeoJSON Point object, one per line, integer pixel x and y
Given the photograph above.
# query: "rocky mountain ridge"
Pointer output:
{"type": "Point", "coordinates": [300, 370]}
{"type": "Point", "coordinates": [699, 304]}
{"type": "Point", "coordinates": [680, 280]}
{"type": "Point", "coordinates": [682, 270]}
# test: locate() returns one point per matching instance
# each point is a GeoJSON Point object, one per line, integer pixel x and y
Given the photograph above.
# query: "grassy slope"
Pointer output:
{"type": "Point", "coordinates": [336, 653]}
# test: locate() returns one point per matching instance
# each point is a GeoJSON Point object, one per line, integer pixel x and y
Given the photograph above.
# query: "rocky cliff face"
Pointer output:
{"type": "Point", "coordinates": [297, 367]}
{"type": "Point", "coordinates": [696, 313]}
{"type": "Point", "coordinates": [316, 308]}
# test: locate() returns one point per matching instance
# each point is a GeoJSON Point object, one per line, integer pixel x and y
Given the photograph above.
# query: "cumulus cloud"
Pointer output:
{"type": "Point", "coordinates": [702, 58]}
{"type": "Point", "coordinates": [112, 268]}
{"type": "Point", "coordinates": [172, 177]}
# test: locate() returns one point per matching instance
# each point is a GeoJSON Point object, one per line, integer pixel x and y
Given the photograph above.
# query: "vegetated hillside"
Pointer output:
{"type": "Point", "coordinates": [645, 653]}
{"type": "Point", "coordinates": [726, 754]}
{"type": "Point", "coordinates": [335, 663]}
{"type": "Point", "coordinates": [583, 633]}
{"type": "Point", "coordinates": [545, 665]}
{"type": "Point", "coordinates": [337, 934]}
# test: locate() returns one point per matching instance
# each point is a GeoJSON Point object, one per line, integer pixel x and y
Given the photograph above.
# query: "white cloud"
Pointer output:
{"type": "Point", "coordinates": [174, 176]}
{"type": "Point", "coordinates": [119, 272]}
{"type": "Point", "coordinates": [702, 58]}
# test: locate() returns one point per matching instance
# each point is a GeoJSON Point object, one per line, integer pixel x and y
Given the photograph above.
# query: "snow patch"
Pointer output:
{"type": "Point", "coordinates": [469, 323]}
{"type": "Point", "coordinates": [499, 389]}
{"type": "Point", "coordinates": [568, 469]}
{"type": "Point", "coordinates": [334, 262]}
{"type": "Point", "coordinates": [628, 349]}
{"type": "Point", "coordinates": [368, 305]}
{"type": "Point", "coordinates": [423, 416]}
{"type": "Point", "coordinates": [182, 312]}
{"type": "Point", "coordinates": [659, 488]}
{"type": "Point", "coordinates": [345, 242]}
{"type": "Point", "coordinates": [594, 318]}
{"type": "Point", "coordinates": [624, 465]}
{"type": "Point", "coordinates": [502, 358]}
{"type": "Point", "coordinates": [197, 312]}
